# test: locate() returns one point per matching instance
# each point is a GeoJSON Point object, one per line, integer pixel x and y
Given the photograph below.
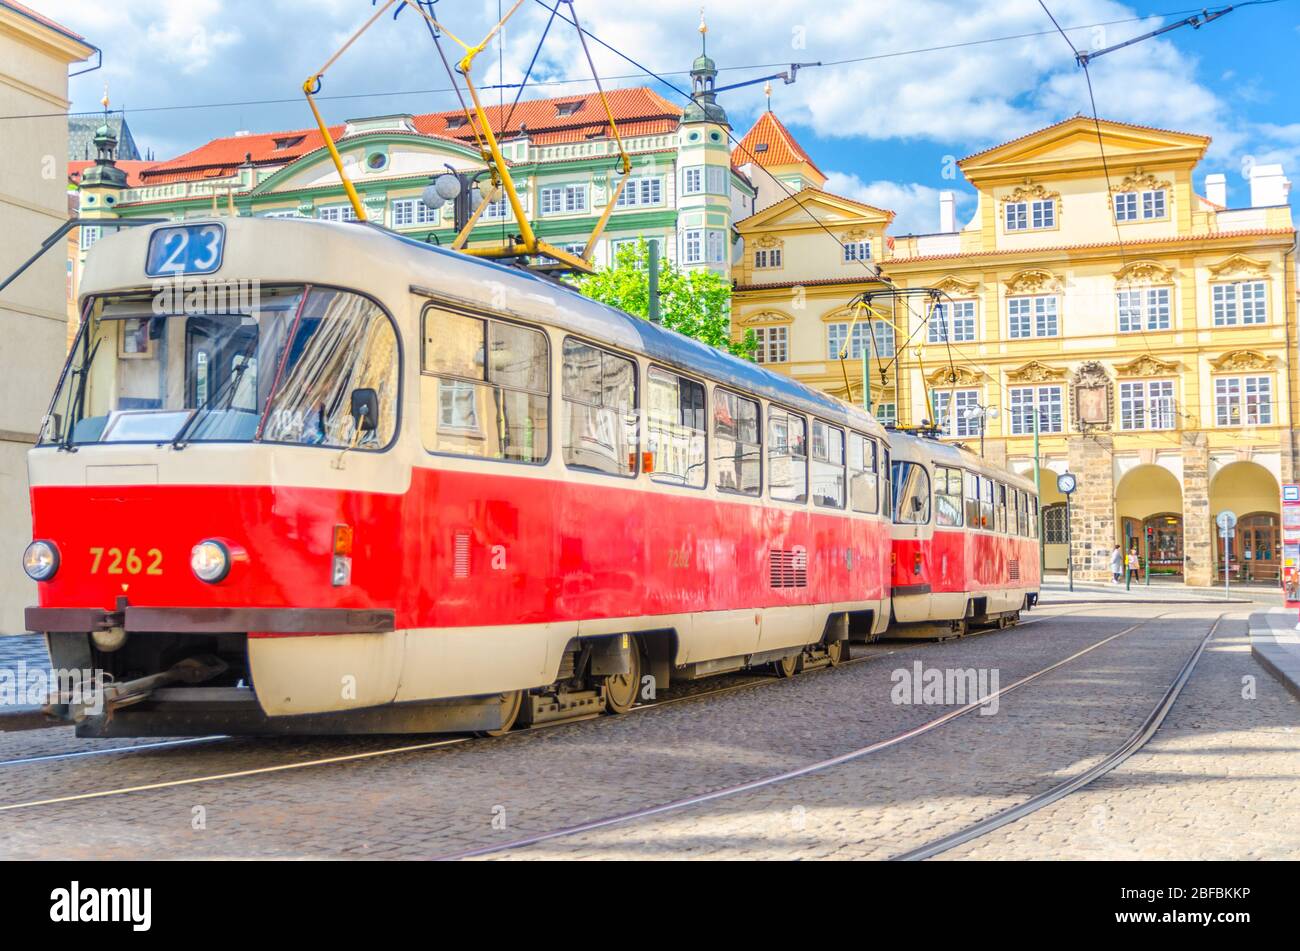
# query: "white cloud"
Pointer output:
{"type": "Point", "coordinates": [916, 206]}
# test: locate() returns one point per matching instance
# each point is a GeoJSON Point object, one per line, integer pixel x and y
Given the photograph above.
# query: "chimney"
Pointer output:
{"type": "Point", "coordinates": [1268, 186]}
{"type": "Point", "coordinates": [947, 212]}
{"type": "Point", "coordinates": [1216, 189]}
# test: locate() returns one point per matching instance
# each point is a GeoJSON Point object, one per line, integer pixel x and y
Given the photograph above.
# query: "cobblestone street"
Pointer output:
{"type": "Point", "coordinates": [1211, 784]}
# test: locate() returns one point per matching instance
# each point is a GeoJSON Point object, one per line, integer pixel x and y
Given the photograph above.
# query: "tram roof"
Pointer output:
{"type": "Point", "coordinates": [913, 446]}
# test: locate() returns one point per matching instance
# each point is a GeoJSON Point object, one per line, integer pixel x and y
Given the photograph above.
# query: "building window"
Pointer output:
{"type": "Point", "coordinates": [773, 345]}
{"type": "Point", "coordinates": [767, 258]}
{"type": "Point", "coordinates": [1144, 308]}
{"type": "Point", "coordinates": [1243, 401]}
{"type": "Point", "coordinates": [1147, 205]}
{"type": "Point", "coordinates": [886, 413]}
{"type": "Point", "coordinates": [675, 430]}
{"type": "Point", "coordinates": [413, 211]}
{"type": "Point", "coordinates": [563, 199]}
{"type": "Point", "coordinates": [878, 335]}
{"type": "Point", "coordinates": [496, 210]}
{"type": "Point", "coordinates": [715, 246]}
{"type": "Point", "coordinates": [1032, 316]}
{"type": "Point", "coordinates": [1239, 303]}
{"type": "Point", "coordinates": [89, 235]}
{"type": "Point", "coordinates": [693, 180]}
{"type": "Point", "coordinates": [640, 192]}
{"type": "Point", "coordinates": [952, 322]}
{"type": "Point", "coordinates": [1054, 524]}
{"type": "Point", "coordinates": [693, 246]}
{"type": "Point", "coordinates": [719, 180]}
{"type": "Point", "coordinates": [337, 213]}
{"type": "Point", "coordinates": [951, 412]}
{"type": "Point", "coordinates": [1050, 401]}
{"type": "Point", "coordinates": [1146, 404]}
{"type": "Point", "coordinates": [1030, 215]}
{"type": "Point", "coordinates": [857, 251]}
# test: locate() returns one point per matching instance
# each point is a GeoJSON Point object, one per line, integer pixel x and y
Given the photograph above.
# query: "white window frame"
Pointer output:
{"type": "Point", "coordinates": [566, 199]}
{"type": "Point", "coordinates": [1038, 214]}
{"type": "Point", "coordinates": [1050, 400]}
{"type": "Point", "coordinates": [641, 191]}
{"type": "Point", "coordinates": [693, 180]}
{"type": "Point", "coordinates": [949, 412]}
{"type": "Point", "coordinates": [767, 258]}
{"type": "Point", "coordinates": [1232, 400]}
{"type": "Point", "coordinates": [1036, 315]}
{"type": "Point", "coordinates": [773, 344]}
{"type": "Point", "coordinates": [1146, 405]}
{"type": "Point", "coordinates": [959, 327]}
{"type": "Point", "coordinates": [1231, 301]}
{"type": "Point", "coordinates": [857, 251]}
{"type": "Point", "coordinates": [337, 213]}
{"type": "Point", "coordinates": [693, 246]}
{"type": "Point", "coordinates": [1138, 309]}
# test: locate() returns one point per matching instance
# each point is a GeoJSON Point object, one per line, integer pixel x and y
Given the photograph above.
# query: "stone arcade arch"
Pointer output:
{"type": "Point", "coordinates": [1149, 514]}
{"type": "Point", "coordinates": [1251, 492]}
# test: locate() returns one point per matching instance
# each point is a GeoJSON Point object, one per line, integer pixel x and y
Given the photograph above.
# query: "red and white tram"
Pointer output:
{"type": "Point", "coordinates": [965, 537]}
{"type": "Point", "coordinates": [310, 477]}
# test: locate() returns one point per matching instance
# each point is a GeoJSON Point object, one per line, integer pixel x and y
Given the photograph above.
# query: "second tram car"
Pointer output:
{"type": "Point", "coordinates": [965, 537]}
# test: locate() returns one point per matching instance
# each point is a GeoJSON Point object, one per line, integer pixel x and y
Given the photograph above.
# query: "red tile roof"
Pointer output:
{"type": "Point", "coordinates": [780, 146]}
{"type": "Point", "coordinates": [1208, 236]}
{"type": "Point", "coordinates": [864, 278]}
{"type": "Point", "coordinates": [132, 169]}
{"type": "Point", "coordinates": [43, 20]}
{"type": "Point", "coordinates": [638, 111]}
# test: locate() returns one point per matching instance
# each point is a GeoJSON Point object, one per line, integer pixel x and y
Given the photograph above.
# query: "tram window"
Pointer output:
{"type": "Point", "coordinates": [864, 484]}
{"type": "Point", "coordinates": [947, 496]}
{"type": "Point", "coordinates": [986, 504]}
{"type": "Point", "coordinates": [886, 483]}
{"type": "Point", "coordinates": [911, 493]}
{"type": "Point", "coordinates": [1033, 518]}
{"type": "Point", "coordinates": [1013, 514]}
{"type": "Point", "coordinates": [675, 431]}
{"type": "Point", "coordinates": [737, 443]}
{"type": "Point", "coordinates": [1024, 515]}
{"type": "Point", "coordinates": [1002, 508]}
{"type": "Point", "coordinates": [827, 465]}
{"type": "Point", "coordinates": [485, 388]}
{"type": "Point", "coordinates": [972, 499]}
{"type": "Point", "coordinates": [599, 410]}
{"type": "Point", "coordinates": [787, 456]}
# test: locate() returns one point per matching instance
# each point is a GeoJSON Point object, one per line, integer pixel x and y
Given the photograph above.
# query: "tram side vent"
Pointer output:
{"type": "Point", "coordinates": [461, 557]}
{"type": "Point", "coordinates": [788, 567]}
{"type": "Point", "coordinates": [1013, 567]}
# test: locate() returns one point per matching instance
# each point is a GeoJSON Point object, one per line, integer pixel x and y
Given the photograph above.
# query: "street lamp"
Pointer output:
{"type": "Point", "coordinates": [983, 414]}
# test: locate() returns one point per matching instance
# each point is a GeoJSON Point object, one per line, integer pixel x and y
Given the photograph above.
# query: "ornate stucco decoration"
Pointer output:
{"type": "Point", "coordinates": [1239, 265]}
{"type": "Point", "coordinates": [1034, 280]}
{"type": "Point", "coordinates": [1147, 365]}
{"type": "Point", "coordinates": [1141, 181]}
{"type": "Point", "coordinates": [768, 241]}
{"type": "Point", "coordinates": [1236, 360]}
{"type": "Point", "coordinates": [857, 234]}
{"type": "Point", "coordinates": [1144, 272]}
{"type": "Point", "coordinates": [1092, 396]}
{"type": "Point", "coordinates": [765, 317]}
{"type": "Point", "coordinates": [956, 287]}
{"type": "Point", "coordinates": [956, 376]}
{"type": "Point", "coordinates": [1035, 372]}
{"type": "Point", "coordinates": [1033, 191]}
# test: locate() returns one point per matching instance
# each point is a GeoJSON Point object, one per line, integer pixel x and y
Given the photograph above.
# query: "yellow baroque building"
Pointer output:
{"type": "Point", "coordinates": [1150, 329]}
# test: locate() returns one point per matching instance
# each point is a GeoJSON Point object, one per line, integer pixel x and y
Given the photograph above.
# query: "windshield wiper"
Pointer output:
{"type": "Point", "coordinates": [79, 400]}
{"type": "Point", "coordinates": [227, 391]}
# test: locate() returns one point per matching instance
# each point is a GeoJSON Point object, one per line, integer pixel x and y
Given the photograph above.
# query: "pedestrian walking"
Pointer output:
{"type": "Point", "coordinates": [1134, 563]}
{"type": "Point", "coordinates": [1117, 564]}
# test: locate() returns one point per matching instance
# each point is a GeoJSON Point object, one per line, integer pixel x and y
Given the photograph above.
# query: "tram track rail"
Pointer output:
{"type": "Point", "coordinates": [875, 651]}
{"type": "Point", "coordinates": [929, 726]}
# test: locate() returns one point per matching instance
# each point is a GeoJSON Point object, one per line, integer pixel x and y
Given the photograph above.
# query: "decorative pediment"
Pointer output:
{"type": "Point", "coordinates": [768, 241]}
{"type": "Point", "coordinates": [1030, 191]}
{"type": "Point", "coordinates": [1035, 372]}
{"type": "Point", "coordinates": [765, 317]}
{"type": "Point", "coordinates": [1141, 181]}
{"type": "Point", "coordinates": [956, 376]}
{"type": "Point", "coordinates": [1033, 280]}
{"type": "Point", "coordinates": [1239, 265]}
{"type": "Point", "coordinates": [1147, 365]}
{"type": "Point", "coordinates": [956, 287]}
{"type": "Point", "coordinates": [1236, 360]}
{"type": "Point", "coordinates": [1144, 272]}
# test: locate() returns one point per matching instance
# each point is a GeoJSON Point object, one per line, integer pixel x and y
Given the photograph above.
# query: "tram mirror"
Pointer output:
{"type": "Point", "coordinates": [365, 409]}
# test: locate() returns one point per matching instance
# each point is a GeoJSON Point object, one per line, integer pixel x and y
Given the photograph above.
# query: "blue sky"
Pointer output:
{"type": "Point", "coordinates": [882, 129]}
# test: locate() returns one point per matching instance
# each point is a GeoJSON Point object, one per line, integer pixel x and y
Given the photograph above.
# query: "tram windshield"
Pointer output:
{"type": "Point", "coordinates": [310, 366]}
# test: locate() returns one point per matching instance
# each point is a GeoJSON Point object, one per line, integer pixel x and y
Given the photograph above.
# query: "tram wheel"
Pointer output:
{"type": "Point", "coordinates": [834, 652]}
{"type": "Point", "coordinates": [511, 703]}
{"type": "Point", "coordinates": [787, 667]}
{"type": "Point", "coordinates": [621, 689]}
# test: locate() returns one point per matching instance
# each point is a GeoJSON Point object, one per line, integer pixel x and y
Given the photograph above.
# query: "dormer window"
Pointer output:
{"type": "Point", "coordinates": [1031, 215]}
{"type": "Point", "coordinates": [456, 122]}
{"type": "Point", "coordinates": [761, 147]}
{"type": "Point", "coordinates": [568, 108]}
{"type": "Point", "coordinates": [288, 142]}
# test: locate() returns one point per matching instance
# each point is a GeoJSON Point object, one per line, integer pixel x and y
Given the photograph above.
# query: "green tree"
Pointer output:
{"type": "Point", "coordinates": [695, 303]}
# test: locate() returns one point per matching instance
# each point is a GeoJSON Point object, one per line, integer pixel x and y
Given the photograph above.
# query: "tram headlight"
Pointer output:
{"type": "Point", "coordinates": [41, 560]}
{"type": "Point", "coordinates": [210, 561]}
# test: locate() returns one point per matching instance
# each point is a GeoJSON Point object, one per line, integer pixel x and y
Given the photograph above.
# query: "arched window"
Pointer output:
{"type": "Point", "coordinates": [1054, 524]}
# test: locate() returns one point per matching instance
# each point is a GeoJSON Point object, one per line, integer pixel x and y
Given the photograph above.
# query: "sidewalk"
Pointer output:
{"type": "Point", "coordinates": [1276, 644]}
{"type": "Point", "coordinates": [1056, 590]}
